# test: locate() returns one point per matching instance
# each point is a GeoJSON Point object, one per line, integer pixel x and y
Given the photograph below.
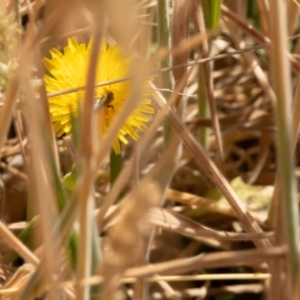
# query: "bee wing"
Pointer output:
{"type": "Point", "coordinates": [98, 103]}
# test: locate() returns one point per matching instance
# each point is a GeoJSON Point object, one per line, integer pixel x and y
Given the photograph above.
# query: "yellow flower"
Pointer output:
{"type": "Point", "coordinates": [69, 70]}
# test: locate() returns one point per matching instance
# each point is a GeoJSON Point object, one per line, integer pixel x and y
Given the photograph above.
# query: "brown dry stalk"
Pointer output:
{"type": "Point", "coordinates": [293, 15]}
{"type": "Point", "coordinates": [181, 13]}
{"type": "Point", "coordinates": [17, 245]}
{"type": "Point", "coordinates": [6, 112]}
{"type": "Point", "coordinates": [212, 260]}
{"type": "Point", "coordinates": [24, 10]}
{"type": "Point", "coordinates": [273, 210]}
{"type": "Point", "coordinates": [84, 263]}
{"type": "Point", "coordinates": [178, 278]}
{"type": "Point", "coordinates": [126, 236]}
{"type": "Point", "coordinates": [177, 223]}
{"type": "Point", "coordinates": [264, 11]}
{"type": "Point", "coordinates": [13, 170]}
{"type": "Point", "coordinates": [199, 23]}
{"type": "Point", "coordinates": [288, 215]}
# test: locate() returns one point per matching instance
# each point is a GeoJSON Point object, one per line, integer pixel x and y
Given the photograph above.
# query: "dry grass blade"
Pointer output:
{"type": "Point", "coordinates": [181, 225]}
{"type": "Point", "coordinates": [293, 14]}
{"type": "Point", "coordinates": [180, 30]}
{"type": "Point", "coordinates": [8, 108]}
{"type": "Point", "coordinates": [264, 8]}
{"type": "Point", "coordinates": [204, 52]}
{"type": "Point", "coordinates": [86, 196]}
{"type": "Point", "coordinates": [202, 277]}
{"type": "Point", "coordinates": [290, 214]}
{"type": "Point", "coordinates": [273, 210]}
{"type": "Point", "coordinates": [17, 245]}
{"type": "Point", "coordinates": [132, 225]}
{"type": "Point", "coordinates": [214, 260]}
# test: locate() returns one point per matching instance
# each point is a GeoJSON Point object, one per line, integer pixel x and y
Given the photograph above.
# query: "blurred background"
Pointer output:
{"type": "Point", "coordinates": [201, 200]}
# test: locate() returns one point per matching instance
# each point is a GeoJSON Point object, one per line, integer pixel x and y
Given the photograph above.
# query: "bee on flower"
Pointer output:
{"type": "Point", "coordinates": [69, 69]}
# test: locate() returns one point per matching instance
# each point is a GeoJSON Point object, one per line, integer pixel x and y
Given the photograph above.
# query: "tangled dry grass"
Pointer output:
{"type": "Point", "coordinates": [204, 205]}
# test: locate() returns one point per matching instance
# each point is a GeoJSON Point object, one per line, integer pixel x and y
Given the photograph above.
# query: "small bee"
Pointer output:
{"type": "Point", "coordinates": [105, 100]}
